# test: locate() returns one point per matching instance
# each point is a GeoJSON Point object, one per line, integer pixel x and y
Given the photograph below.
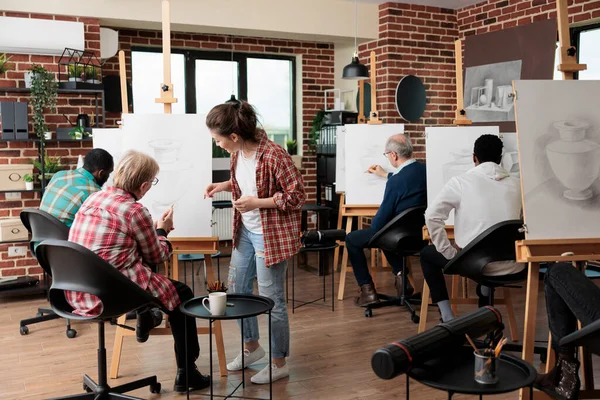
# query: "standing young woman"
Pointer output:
{"type": "Point", "coordinates": [268, 195]}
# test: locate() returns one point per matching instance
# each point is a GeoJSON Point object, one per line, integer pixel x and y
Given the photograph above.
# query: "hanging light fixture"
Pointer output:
{"type": "Point", "coordinates": [355, 70]}
{"type": "Point", "coordinates": [232, 99]}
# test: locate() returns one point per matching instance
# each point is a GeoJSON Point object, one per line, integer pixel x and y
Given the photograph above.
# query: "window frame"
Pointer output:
{"type": "Point", "coordinates": [191, 55]}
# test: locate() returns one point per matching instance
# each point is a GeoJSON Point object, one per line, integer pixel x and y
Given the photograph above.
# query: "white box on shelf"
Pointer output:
{"type": "Point", "coordinates": [12, 229]}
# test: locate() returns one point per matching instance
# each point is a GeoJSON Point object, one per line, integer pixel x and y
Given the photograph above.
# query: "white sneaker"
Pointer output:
{"type": "Point", "coordinates": [249, 359]}
{"type": "Point", "coordinates": [277, 373]}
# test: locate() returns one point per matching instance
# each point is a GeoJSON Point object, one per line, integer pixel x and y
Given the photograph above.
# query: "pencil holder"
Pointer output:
{"type": "Point", "coordinates": [485, 368]}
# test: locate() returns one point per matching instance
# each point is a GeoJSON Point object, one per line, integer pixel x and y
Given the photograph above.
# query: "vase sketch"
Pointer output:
{"type": "Point", "coordinates": [174, 174]}
{"type": "Point", "coordinates": [574, 159]}
{"type": "Point", "coordinates": [489, 90]}
{"type": "Point", "coordinates": [463, 161]}
{"type": "Point", "coordinates": [510, 162]}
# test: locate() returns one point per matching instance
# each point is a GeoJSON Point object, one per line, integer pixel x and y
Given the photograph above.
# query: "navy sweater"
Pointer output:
{"type": "Point", "coordinates": [406, 189]}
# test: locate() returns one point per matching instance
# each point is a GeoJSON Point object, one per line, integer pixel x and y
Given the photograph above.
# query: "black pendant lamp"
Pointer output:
{"type": "Point", "coordinates": [232, 99]}
{"type": "Point", "coordinates": [355, 70]}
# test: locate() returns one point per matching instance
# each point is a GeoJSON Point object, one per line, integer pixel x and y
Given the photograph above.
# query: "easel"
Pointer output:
{"type": "Point", "coordinates": [374, 117]}
{"type": "Point", "coordinates": [183, 245]}
{"type": "Point", "coordinates": [461, 114]}
{"type": "Point", "coordinates": [535, 252]}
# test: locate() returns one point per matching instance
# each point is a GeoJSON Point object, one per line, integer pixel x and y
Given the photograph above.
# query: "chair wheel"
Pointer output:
{"type": "Point", "coordinates": [71, 333]}
{"type": "Point", "coordinates": [87, 389]}
{"type": "Point", "coordinates": [415, 318]}
{"type": "Point", "coordinates": [368, 313]}
{"type": "Point", "coordinates": [155, 388]}
{"type": "Point", "coordinates": [24, 330]}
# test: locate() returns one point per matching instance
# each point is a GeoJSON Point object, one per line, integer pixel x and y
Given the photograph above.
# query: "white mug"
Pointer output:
{"type": "Point", "coordinates": [217, 303]}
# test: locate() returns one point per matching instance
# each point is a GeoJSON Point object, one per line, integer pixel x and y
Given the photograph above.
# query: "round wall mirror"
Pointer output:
{"type": "Point", "coordinates": [410, 98]}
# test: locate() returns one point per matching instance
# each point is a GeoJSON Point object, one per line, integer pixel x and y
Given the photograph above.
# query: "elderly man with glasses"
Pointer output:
{"type": "Point", "coordinates": [405, 188]}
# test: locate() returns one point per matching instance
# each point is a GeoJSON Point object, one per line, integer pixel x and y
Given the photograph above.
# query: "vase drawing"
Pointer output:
{"type": "Point", "coordinates": [574, 160]}
{"type": "Point", "coordinates": [173, 177]}
{"type": "Point", "coordinates": [462, 162]}
{"type": "Point", "coordinates": [489, 90]}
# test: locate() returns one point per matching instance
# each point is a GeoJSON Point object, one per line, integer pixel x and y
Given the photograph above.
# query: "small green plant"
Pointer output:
{"type": "Point", "coordinates": [4, 63]}
{"type": "Point", "coordinates": [291, 146]}
{"type": "Point", "coordinates": [43, 97]}
{"type": "Point", "coordinates": [76, 71]}
{"type": "Point", "coordinates": [28, 178]}
{"type": "Point", "coordinates": [91, 73]}
{"type": "Point", "coordinates": [78, 133]}
{"type": "Point", "coordinates": [51, 165]}
{"type": "Point", "coordinates": [315, 130]}
{"type": "Point", "coordinates": [218, 152]}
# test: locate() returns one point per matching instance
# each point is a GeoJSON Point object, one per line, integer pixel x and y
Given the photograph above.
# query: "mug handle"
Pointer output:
{"type": "Point", "coordinates": [204, 305]}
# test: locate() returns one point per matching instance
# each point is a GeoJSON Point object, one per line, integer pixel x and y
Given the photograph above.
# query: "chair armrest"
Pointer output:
{"type": "Point", "coordinates": [588, 336]}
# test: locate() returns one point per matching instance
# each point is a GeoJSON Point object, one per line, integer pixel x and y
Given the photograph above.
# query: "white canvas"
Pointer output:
{"type": "Point", "coordinates": [510, 154]}
{"type": "Point", "coordinates": [340, 159]}
{"type": "Point", "coordinates": [182, 146]}
{"type": "Point", "coordinates": [111, 140]}
{"type": "Point", "coordinates": [449, 153]}
{"type": "Point", "coordinates": [558, 127]}
{"type": "Point", "coordinates": [365, 145]}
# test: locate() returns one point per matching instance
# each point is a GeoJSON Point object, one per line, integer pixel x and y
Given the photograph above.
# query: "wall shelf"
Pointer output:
{"type": "Point", "coordinates": [59, 90]}
{"type": "Point", "coordinates": [20, 191]}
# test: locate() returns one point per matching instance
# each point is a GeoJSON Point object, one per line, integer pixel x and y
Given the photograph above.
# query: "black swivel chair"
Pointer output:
{"type": "Point", "coordinates": [403, 236]}
{"type": "Point", "coordinates": [43, 226]}
{"type": "Point", "coordinates": [497, 243]}
{"type": "Point", "coordinates": [76, 268]}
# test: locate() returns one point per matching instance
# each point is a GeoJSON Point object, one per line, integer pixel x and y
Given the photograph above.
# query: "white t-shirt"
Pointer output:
{"type": "Point", "coordinates": [245, 173]}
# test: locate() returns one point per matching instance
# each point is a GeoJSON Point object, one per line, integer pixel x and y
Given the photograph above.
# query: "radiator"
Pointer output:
{"type": "Point", "coordinates": [222, 219]}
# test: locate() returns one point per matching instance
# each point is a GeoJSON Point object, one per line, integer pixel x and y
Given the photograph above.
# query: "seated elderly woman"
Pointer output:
{"type": "Point", "coordinates": [120, 230]}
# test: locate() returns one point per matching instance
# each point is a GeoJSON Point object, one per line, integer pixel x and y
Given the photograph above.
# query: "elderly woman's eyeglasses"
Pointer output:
{"type": "Point", "coordinates": [154, 181]}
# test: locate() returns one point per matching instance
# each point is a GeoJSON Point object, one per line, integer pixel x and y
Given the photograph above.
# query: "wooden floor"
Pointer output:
{"type": "Point", "coordinates": [330, 351]}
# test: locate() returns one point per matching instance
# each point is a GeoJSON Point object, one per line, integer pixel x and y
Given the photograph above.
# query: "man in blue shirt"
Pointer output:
{"type": "Point", "coordinates": [405, 188]}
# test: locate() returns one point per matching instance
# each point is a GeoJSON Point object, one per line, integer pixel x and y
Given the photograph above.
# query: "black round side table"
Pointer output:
{"type": "Point", "coordinates": [239, 306]}
{"type": "Point", "coordinates": [456, 375]}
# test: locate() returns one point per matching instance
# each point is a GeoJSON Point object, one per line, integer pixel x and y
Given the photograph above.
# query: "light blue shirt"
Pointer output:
{"type": "Point", "coordinates": [405, 164]}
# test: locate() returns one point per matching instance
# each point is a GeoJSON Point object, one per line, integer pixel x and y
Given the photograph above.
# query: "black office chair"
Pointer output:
{"type": "Point", "coordinates": [497, 243]}
{"type": "Point", "coordinates": [588, 337]}
{"type": "Point", "coordinates": [78, 269]}
{"type": "Point", "coordinates": [43, 226]}
{"type": "Point", "coordinates": [403, 236]}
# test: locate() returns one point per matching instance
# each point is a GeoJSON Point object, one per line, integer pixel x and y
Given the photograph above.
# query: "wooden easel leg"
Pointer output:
{"type": "Point", "coordinates": [455, 283]}
{"type": "Point", "coordinates": [550, 356]}
{"type": "Point", "coordinates": [531, 305]}
{"type": "Point", "coordinates": [218, 331]}
{"type": "Point", "coordinates": [510, 310]}
{"type": "Point", "coordinates": [117, 347]}
{"type": "Point", "coordinates": [424, 307]}
{"type": "Point", "coordinates": [344, 269]}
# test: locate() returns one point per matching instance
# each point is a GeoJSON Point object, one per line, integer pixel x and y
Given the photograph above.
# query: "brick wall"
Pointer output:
{"type": "Point", "coordinates": [415, 40]}
{"type": "Point", "coordinates": [22, 152]}
{"type": "Point", "coordinates": [317, 65]}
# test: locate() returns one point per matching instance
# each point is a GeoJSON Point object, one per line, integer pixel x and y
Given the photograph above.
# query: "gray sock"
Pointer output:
{"type": "Point", "coordinates": [446, 310]}
{"type": "Point", "coordinates": [485, 291]}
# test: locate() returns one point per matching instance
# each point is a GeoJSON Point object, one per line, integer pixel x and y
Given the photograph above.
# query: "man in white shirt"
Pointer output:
{"type": "Point", "coordinates": [482, 197]}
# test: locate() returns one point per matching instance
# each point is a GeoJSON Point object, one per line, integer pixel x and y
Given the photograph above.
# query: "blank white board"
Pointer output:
{"type": "Point", "coordinates": [365, 145]}
{"type": "Point", "coordinates": [111, 140]}
{"type": "Point", "coordinates": [558, 128]}
{"type": "Point", "coordinates": [340, 159]}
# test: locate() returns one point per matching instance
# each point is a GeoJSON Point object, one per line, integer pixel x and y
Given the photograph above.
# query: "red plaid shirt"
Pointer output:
{"type": "Point", "coordinates": [277, 177]}
{"type": "Point", "coordinates": [121, 231]}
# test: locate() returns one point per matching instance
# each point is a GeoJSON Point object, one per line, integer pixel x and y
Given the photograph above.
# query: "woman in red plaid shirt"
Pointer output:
{"type": "Point", "coordinates": [268, 195]}
{"type": "Point", "coordinates": [115, 226]}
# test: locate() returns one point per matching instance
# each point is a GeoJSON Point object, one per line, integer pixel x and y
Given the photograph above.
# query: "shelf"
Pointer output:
{"type": "Point", "coordinates": [40, 289]}
{"type": "Point", "coordinates": [68, 140]}
{"type": "Point", "coordinates": [20, 191]}
{"type": "Point", "coordinates": [16, 241]}
{"type": "Point", "coordinates": [68, 91]}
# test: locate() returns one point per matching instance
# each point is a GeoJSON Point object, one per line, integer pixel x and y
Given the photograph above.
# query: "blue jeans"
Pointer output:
{"type": "Point", "coordinates": [247, 264]}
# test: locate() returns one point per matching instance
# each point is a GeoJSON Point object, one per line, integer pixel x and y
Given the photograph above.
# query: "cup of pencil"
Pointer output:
{"type": "Point", "coordinates": [217, 286]}
{"type": "Point", "coordinates": [485, 367]}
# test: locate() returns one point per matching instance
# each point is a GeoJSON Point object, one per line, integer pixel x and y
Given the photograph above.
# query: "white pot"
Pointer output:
{"type": "Point", "coordinates": [73, 79]}
{"type": "Point", "coordinates": [95, 81]}
{"type": "Point", "coordinates": [574, 159]}
{"type": "Point", "coordinates": [28, 75]}
{"type": "Point", "coordinates": [78, 135]}
{"type": "Point", "coordinates": [48, 135]}
{"type": "Point", "coordinates": [28, 185]}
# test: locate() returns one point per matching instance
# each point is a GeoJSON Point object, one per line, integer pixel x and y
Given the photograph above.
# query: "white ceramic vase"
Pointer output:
{"type": "Point", "coordinates": [574, 159]}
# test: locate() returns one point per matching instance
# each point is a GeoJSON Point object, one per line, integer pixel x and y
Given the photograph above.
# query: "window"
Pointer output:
{"type": "Point", "coordinates": [147, 75]}
{"type": "Point", "coordinates": [589, 53]}
{"type": "Point", "coordinates": [203, 79]}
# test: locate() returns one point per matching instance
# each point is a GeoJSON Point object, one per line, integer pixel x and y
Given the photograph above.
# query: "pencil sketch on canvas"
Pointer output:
{"type": "Point", "coordinates": [365, 145]}
{"type": "Point", "coordinates": [181, 145]}
{"type": "Point", "coordinates": [449, 153]}
{"type": "Point", "coordinates": [488, 91]}
{"type": "Point", "coordinates": [559, 143]}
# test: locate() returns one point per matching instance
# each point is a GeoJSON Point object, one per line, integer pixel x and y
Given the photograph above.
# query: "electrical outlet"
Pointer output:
{"type": "Point", "coordinates": [12, 196]}
{"type": "Point", "coordinates": [16, 251]}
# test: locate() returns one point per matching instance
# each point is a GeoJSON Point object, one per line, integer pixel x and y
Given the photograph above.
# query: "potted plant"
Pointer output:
{"type": "Point", "coordinates": [4, 63]}
{"type": "Point", "coordinates": [28, 181]}
{"type": "Point", "coordinates": [76, 73]}
{"type": "Point", "coordinates": [91, 74]}
{"type": "Point", "coordinates": [291, 147]}
{"type": "Point", "coordinates": [78, 133]}
{"type": "Point", "coordinates": [43, 98]}
{"type": "Point", "coordinates": [51, 166]}
{"type": "Point", "coordinates": [315, 130]}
